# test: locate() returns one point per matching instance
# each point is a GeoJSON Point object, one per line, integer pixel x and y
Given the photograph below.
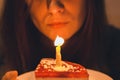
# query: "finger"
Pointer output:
{"type": "Point", "coordinates": [11, 75]}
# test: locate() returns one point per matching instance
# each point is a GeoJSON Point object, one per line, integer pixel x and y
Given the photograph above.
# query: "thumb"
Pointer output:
{"type": "Point", "coordinates": [10, 75]}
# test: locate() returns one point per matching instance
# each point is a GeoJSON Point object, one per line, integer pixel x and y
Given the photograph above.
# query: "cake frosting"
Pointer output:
{"type": "Point", "coordinates": [47, 68]}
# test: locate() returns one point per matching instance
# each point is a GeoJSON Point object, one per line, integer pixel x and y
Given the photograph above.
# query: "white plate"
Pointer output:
{"type": "Point", "coordinates": [93, 75]}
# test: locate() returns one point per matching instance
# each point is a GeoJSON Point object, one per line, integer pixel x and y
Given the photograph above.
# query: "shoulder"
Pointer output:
{"type": "Point", "coordinates": [111, 38]}
{"type": "Point", "coordinates": [111, 30]}
{"type": "Point", "coordinates": [112, 33]}
{"type": "Point", "coordinates": [112, 41]}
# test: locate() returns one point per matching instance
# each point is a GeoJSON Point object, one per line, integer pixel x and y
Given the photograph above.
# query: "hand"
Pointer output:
{"type": "Point", "coordinates": [10, 75]}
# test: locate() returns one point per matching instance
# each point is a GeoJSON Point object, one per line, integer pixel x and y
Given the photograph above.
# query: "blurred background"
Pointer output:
{"type": "Point", "coordinates": [112, 11]}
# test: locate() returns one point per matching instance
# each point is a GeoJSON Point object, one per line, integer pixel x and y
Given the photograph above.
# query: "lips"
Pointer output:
{"type": "Point", "coordinates": [57, 24]}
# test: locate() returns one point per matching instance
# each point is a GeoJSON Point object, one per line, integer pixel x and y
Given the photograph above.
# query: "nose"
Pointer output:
{"type": "Point", "coordinates": [55, 6]}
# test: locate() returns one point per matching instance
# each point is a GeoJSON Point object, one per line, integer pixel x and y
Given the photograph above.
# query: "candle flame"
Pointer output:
{"type": "Point", "coordinates": [58, 41]}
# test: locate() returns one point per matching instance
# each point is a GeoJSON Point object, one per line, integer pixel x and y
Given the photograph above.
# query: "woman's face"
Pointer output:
{"type": "Point", "coordinates": [57, 17]}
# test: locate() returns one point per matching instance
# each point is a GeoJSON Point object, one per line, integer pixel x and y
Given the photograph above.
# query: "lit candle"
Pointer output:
{"type": "Point", "coordinates": [58, 42]}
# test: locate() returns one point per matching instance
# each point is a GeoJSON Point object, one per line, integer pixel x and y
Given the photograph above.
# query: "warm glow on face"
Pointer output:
{"type": "Point", "coordinates": [62, 17]}
{"type": "Point", "coordinates": [58, 41]}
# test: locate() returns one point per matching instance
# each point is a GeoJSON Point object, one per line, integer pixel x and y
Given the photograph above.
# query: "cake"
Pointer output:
{"type": "Point", "coordinates": [47, 70]}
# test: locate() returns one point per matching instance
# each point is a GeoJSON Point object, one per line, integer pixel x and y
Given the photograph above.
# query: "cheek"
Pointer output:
{"type": "Point", "coordinates": [38, 11]}
{"type": "Point", "coordinates": [78, 11]}
{"type": "Point", "coordinates": [77, 7]}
